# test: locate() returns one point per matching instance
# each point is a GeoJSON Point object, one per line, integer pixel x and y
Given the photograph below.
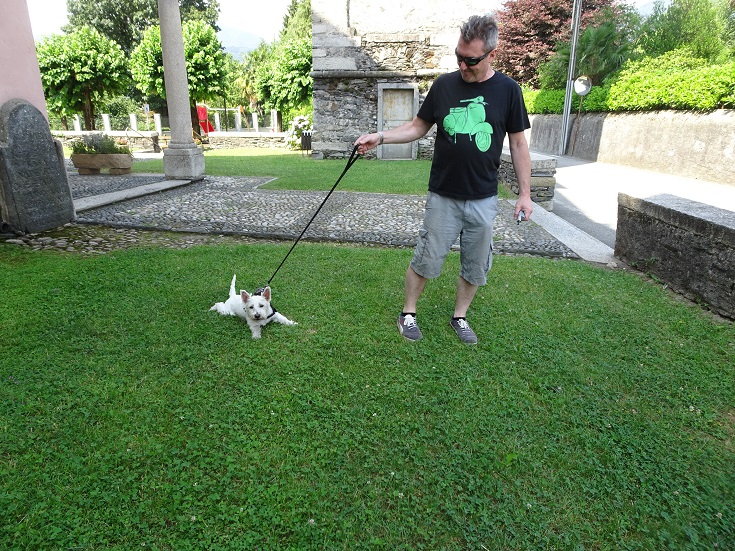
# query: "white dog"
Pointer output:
{"type": "Point", "coordinates": [255, 309]}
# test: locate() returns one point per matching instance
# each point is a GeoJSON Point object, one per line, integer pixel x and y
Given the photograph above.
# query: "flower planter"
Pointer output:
{"type": "Point", "coordinates": [92, 163]}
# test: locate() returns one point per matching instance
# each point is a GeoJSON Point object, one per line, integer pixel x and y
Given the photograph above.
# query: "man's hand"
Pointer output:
{"type": "Point", "coordinates": [366, 142]}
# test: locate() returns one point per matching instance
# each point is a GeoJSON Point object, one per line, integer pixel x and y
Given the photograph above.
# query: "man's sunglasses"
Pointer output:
{"type": "Point", "coordinates": [470, 61]}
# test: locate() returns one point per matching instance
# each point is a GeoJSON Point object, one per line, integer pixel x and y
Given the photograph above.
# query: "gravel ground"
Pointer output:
{"type": "Point", "coordinates": [234, 210]}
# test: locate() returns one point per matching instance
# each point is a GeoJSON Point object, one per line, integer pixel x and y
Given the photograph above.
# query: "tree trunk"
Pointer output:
{"type": "Point", "coordinates": [88, 111]}
{"type": "Point", "coordinates": [195, 120]}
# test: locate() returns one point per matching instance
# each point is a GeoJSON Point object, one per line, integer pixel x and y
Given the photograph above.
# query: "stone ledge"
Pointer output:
{"type": "Point", "coordinates": [688, 245]}
{"type": "Point", "coordinates": [543, 177]}
{"type": "Point", "coordinates": [343, 73]}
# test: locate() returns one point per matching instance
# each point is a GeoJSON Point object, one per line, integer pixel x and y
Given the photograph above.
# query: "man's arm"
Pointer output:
{"type": "Point", "coordinates": [521, 158]}
{"type": "Point", "coordinates": [405, 133]}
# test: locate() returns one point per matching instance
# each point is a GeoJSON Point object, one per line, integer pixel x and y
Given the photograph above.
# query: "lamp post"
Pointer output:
{"type": "Point", "coordinates": [576, 19]}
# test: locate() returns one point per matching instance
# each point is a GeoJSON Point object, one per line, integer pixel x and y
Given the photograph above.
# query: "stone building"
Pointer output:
{"type": "Point", "coordinates": [373, 63]}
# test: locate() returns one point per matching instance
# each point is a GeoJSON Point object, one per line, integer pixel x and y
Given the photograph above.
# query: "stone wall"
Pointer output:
{"type": "Point", "coordinates": [347, 107]}
{"type": "Point", "coordinates": [543, 177]}
{"type": "Point", "coordinates": [693, 145]}
{"type": "Point", "coordinates": [138, 140]}
{"type": "Point", "coordinates": [232, 140]}
{"type": "Point", "coordinates": [686, 244]}
{"type": "Point", "coordinates": [359, 45]}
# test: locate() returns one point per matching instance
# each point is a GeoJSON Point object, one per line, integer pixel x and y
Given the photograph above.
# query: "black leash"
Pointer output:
{"type": "Point", "coordinates": [351, 161]}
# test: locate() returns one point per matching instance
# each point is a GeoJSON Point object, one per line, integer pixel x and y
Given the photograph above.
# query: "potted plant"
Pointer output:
{"type": "Point", "coordinates": [97, 151]}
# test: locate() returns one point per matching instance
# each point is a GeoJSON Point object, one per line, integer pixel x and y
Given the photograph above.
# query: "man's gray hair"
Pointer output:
{"type": "Point", "coordinates": [484, 27]}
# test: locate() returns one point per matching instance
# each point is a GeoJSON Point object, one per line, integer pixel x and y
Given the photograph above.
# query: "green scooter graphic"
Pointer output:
{"type": "Point", "coordinates": [470, 120]}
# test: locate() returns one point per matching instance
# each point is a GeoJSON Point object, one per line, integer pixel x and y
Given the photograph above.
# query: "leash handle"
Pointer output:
{"type": "Point", "coordinates": [351, 161]}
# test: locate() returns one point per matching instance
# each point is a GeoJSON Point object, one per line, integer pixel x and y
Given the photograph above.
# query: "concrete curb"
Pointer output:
{"type": "Point", "coordinates": [95, 201]}
{"type": "Point", "coordinates": [586, 246]}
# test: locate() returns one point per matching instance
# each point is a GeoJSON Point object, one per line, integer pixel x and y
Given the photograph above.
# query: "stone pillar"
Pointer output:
{"type": "Point", "coordinates": [255, 122]}
{"type": "Point", "coordinates": [77, 124]}
{"type": "Point", "coordinates": [216, 122]}
{"type": "Point", "coordinates": [106, 122]}
{"type": "Point", "coordinates": [238, 121]}
{"type": "Point", "coordinates": [133, 122]}
{"type": "Point", "coordinates": [157, 123]}
{"type": "Point", "coordinates": [182, 160]}
{"type": "Point", "coordinates": [275, 121]}
{"type": "Point", "coordinates": [18, 61]}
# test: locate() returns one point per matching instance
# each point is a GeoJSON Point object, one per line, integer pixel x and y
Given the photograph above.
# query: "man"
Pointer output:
{"type": "Point", "coordinates": [474, 108]}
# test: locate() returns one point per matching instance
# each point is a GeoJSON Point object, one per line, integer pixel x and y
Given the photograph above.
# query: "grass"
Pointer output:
{"type": "Point", "coordinates": [296, 171]}
{"type": "Point", "coordinates": [596, 413]}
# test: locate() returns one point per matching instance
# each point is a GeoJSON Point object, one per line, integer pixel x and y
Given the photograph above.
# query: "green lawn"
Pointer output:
{"type": "Point", "coordinates": [597, 411]}
{"type": "Point", "coordinates": [297, 171]}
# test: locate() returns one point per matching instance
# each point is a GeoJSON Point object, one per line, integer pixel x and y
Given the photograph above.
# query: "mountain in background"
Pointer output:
{"type": "Point", "coordinates": [237, 42]}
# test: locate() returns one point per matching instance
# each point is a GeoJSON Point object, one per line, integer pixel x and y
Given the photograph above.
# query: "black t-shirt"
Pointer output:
{"type": "Point", "coordinates": [472, 120]}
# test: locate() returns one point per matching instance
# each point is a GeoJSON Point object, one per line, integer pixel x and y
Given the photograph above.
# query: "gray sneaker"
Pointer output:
{"type": "Point", "coordinates": [408, 327]}
{"type": "Point", "coordinates": [463, 330]}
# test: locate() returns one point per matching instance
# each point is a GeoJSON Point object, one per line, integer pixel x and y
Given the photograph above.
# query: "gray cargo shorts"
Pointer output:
{"type": "Point", "coordinates": [445, 219]}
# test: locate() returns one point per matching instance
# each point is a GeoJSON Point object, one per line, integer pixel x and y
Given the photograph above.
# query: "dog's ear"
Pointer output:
{"type": "Point", "coordinates": [267, 293]}
{"type": "Point", "coordinates": [245, 296]}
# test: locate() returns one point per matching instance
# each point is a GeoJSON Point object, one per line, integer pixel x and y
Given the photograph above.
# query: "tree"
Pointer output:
{"type": "Point", "coordinates": [278, 76]}
{"type": "Point", "coordinates": [125, 20]}
{"type": "Point", "coordinates": [530, 31]}
{"type": "Point", "coordinates": [80, 69]}
{"type": "Point", "coordinates": [205, 63]}
{"type": "Point", "coordinates": [695, 24]}
{"type": "Point", "coordinates": [602, 50]}
{"type": "Point", "coordinates": [297, 21]}
{"type": "Point", "coordinates": [246, 83]}
{"type": "Point", "coordinates": [285, 83]}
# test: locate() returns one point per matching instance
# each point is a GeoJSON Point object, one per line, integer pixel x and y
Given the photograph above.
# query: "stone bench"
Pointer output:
{"type": "Point", "coordinates": [688, 245]}
{"type": "Point", "coordinates": [543, 177]}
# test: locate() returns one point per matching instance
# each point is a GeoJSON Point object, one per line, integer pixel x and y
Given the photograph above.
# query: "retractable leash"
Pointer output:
{"type": "Point", "coordinates": [351, 161]}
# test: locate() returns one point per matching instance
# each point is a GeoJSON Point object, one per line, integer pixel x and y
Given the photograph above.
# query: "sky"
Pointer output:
{"type": "Point", "coordinates": [245, 21]}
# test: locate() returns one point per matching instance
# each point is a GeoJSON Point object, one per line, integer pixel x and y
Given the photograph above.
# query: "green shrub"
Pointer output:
{"type": "Point", "coordinates": [596, 100]}
{"type": "Point", "coordinates": [98, 144]}
{"type": "Point", "coordinates": [544, 102]}
{"type": "Point", "coordinates": [675, 80]}
{"type": "Point", "coordinates": [119, 109]}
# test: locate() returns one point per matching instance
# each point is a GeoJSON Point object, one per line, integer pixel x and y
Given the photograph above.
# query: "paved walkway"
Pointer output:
{"type": "Point", "coordinates": [587, 193]}
{"type": "Point", "coordinates": [237, 206]}
{"type": "Point", "coordinates": [582, 224]}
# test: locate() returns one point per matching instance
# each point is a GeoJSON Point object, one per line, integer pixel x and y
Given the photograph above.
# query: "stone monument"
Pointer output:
{"type": "Point", "coordinates": [34, 190]}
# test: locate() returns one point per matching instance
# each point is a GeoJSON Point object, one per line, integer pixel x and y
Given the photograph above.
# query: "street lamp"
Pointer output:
{"type": "Point", "coordinates": [576, 19]}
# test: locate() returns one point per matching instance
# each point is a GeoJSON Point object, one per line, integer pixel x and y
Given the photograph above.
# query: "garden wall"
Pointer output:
{"type": "Point", "coordinates": [686, 244]}
{"type": "Point", "coordinates": [232, 140]}
{"type": "Point", "coordinates": [364, 49]}
{"type": "Point", "coordinates": [136, 140]}
{"type": "Point", "coordinates": [693, 145]}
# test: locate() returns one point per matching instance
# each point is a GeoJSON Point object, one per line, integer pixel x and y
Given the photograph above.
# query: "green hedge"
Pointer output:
{"type": "Point", "coordinates": [676, 80]}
